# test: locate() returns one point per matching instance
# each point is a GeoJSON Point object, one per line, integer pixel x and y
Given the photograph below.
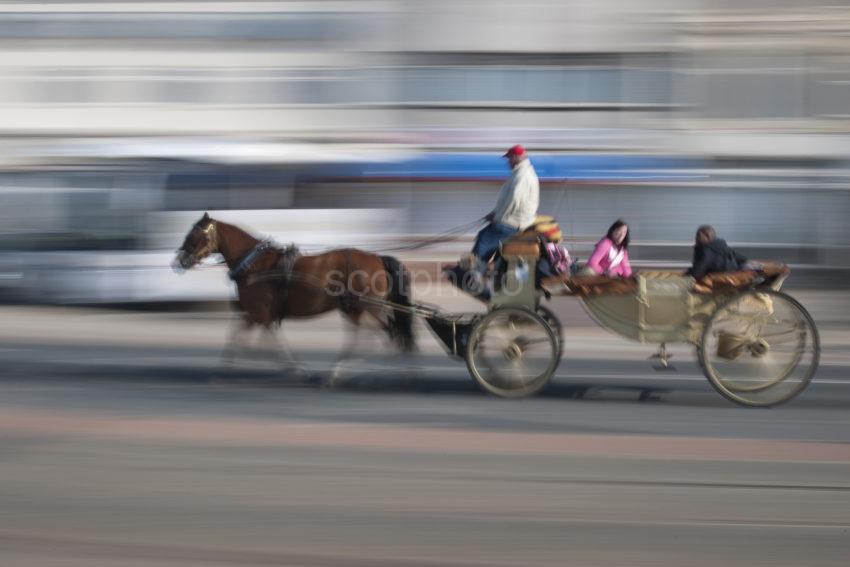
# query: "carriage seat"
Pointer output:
{"type": "Point", "coordinates": [523, 245]}
{"type": "Point", "coordinates": [584, 286]}
{"type": "Point", "coordinates": [527, 243]}
{"type": "Point", "coordinates": [769, 274]}
{"type": "Point", "coordinates": [661, 274]}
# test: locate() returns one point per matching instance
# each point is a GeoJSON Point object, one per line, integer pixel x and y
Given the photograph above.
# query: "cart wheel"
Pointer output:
{"type": "Point", "coordinates": [555, 323]}
{"type": "Point", "coordinates": [760, 348]}
{"type": "Point", "coordinates": [512, 352]}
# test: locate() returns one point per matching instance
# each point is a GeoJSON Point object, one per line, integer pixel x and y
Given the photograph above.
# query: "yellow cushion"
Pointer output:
{"type": "Point", "coordinates": [547, 227]}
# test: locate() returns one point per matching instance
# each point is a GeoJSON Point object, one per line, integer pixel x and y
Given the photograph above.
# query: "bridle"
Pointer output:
{"type": "Point", "coordinates": [211, 246]}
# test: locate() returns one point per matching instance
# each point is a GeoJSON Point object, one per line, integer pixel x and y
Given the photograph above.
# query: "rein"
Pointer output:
{"type": "Point", "coordinates": [446, 236]}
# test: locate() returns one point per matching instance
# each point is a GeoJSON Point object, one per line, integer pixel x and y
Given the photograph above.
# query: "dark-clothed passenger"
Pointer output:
{"type": "Point", "coordinates": [712, 254]}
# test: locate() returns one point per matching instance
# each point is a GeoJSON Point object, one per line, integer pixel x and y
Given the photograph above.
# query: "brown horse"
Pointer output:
{"type": "Point", "coordinates": [273, 284]}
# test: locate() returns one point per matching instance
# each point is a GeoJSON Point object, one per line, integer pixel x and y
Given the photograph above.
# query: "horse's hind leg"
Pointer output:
{"type": "Point", "coordinates": [406, 360]}
{"type": "Point", "coordinates": [348, 350]}
{"type": "Point", "coordinates": [379, 316]}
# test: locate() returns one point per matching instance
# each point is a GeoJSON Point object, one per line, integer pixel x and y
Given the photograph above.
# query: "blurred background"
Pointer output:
{"type": "Point", "coordinates": [124, 440]}
{"type": "Point", "coordinates": [368, 123]}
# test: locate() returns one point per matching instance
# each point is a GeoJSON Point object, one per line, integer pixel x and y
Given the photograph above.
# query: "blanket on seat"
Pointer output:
{"type": "Point", "coordinates": [766, 274]}
{"type": "Point", "coordinates": [763, 275]}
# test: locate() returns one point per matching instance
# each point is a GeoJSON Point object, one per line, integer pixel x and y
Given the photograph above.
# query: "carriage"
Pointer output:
{"type": "Point", "coordinates": [756, 345]}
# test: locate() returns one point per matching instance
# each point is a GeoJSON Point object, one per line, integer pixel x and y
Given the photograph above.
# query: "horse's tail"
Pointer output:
{"type": "Point", "coordinates": [400, 322]}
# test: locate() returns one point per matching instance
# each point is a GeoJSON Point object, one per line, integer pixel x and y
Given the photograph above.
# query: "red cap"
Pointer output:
{"type": "Point", "coordinates": [516, 150]}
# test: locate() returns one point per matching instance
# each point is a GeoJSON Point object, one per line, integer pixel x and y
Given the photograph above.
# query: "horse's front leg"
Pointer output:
{"type": "Point", "coordinates": [283, 354]}
{"type": "Point", "coordinates": [234, 343]}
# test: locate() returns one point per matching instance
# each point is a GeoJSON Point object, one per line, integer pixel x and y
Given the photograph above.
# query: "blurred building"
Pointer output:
{"type": "Point", "coordinates": [354, 68]}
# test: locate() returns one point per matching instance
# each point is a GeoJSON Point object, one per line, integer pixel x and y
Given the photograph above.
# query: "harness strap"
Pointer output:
{"type": "Point", "coordinates": [347, 298]}
{"type": "Point", "coordinates": [286, 264]}
{"type": "Point", "coordinates": [249, 259]}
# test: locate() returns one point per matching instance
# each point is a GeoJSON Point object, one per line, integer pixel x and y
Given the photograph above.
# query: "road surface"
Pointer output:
{"type": "Point", "coordinates": [125, 444]}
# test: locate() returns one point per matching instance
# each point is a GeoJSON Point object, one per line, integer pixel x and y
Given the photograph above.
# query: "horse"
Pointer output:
{"type": "Point", "coordinates": [274, 283]}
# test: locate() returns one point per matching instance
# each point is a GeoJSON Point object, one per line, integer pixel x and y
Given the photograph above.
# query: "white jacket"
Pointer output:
{"type": "Point", "coordinates": [518, 197]}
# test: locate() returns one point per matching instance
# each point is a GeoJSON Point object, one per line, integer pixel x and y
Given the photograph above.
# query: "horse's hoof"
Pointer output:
{"type": "Point", "coordinates": [220, 376]}
{"type": "Point", "coordinates": [299, 373]}
{"type": "Point", "coordinates": [332, 381]}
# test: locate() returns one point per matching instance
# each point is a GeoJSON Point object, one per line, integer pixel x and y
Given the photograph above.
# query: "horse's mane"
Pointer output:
{"type": "Point", "coordinates": [236, 239]}
{"type": "Point", "coordinates": [231, 230]}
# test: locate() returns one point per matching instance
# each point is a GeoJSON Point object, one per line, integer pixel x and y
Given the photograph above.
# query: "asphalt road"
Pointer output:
{"type": "Point", "coordinates": [124, 443]}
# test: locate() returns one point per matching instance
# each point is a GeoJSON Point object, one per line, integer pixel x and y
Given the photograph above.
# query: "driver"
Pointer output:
{"type": "Point", "coordinates": [516, 207]}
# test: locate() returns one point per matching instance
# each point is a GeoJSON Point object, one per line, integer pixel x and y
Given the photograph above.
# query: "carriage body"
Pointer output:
{"type": "Point", "coordinates": [663, 307]}
{"type": "Point", "coordinates": [660, 309]}
{"type": "Point", "coordinates": [756, 345]}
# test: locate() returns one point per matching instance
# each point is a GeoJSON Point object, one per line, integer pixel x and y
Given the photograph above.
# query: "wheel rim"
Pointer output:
{"type": "Point", "coordinates": [547, 315]}
{"type": "Point", "coordinates": [512, 352]}
{"type": "Point", "coordinates": [760, 348]}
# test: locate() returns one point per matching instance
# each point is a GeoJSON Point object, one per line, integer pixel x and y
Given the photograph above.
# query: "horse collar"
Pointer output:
{"type": "Point", "coordinates": [248, 259]}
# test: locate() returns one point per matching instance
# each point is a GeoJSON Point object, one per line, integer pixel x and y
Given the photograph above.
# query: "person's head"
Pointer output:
{"type": "Point", "coordinates": [705, 234]}
{"type": "Point", "coordinates": [515, 155]}
{"type": "Point", "coordinates": [619, 233]}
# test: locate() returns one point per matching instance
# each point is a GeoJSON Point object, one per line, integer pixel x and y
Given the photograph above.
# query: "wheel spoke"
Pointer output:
{"type": "Point", "coordinates": [760, 359]}
{"type": "Point", "coordinates": [512, 352]}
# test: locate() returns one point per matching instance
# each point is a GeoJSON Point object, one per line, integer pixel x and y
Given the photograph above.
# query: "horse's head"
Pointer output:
{"type": "Point", "coordinates": [201, 241]}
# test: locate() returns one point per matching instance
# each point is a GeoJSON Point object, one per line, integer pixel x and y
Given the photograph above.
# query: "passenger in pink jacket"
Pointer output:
{"type": "Point", "coordinates": [611, 255]}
